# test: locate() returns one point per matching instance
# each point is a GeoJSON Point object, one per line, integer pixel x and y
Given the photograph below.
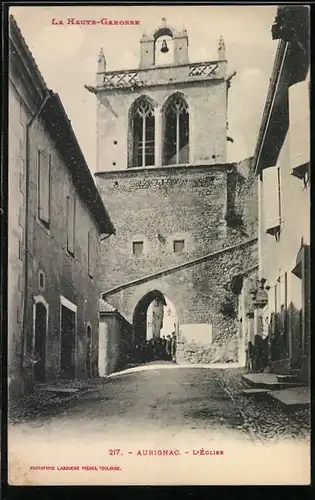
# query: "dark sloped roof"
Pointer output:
{"type": "Point", "coordinates": [106, 307]}
{"type": "Point", "coordinates": [61, 130]}
{"type": "Point", "coordinates": [290, 66]}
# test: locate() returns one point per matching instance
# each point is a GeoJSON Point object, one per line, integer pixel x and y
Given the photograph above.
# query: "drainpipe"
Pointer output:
{"type": "Point", "coordinates": [27, 197]}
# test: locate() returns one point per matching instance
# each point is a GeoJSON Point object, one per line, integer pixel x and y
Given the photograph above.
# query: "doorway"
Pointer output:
{"type": "Point", "coordinates": [67, 361]}
{"type": "Point", "coordinates": [103, 361]}
{"type": "Point", "coordinates": [40, 342]}
{"type": "Point", "coordinates": [88, 351]}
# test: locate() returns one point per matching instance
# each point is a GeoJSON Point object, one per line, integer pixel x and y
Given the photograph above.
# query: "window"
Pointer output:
{"type": "Point", "coordinates": [178, 246]}
{"type": "Point", "coordinates": [137, 247]}
{"type": "Point", "coordinates": [43, 206]}
{"type": "Point", "coordinates": [41, 280]}
{"type": "Point", "coordinates": [71, 223]}
{"type": "Point", "coordinates": [68, 334]}
{"type": "Point", "coordinates": [176, 131]}
{"type": "Point", "coordinates": [143, 134]}
{"type": "Point", "coordinates": [88, 351]}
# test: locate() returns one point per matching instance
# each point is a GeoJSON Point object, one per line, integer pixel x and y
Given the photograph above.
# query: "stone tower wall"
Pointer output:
{"type": "Point", "coordinates": [211, 208]}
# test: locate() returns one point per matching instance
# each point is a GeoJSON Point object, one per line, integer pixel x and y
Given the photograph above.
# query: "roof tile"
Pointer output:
{"type": "Point", "coordinates": [106, 307]}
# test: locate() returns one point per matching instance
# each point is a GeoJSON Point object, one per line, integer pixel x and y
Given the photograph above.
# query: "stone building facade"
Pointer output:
{"type": "Point", "coordinates": [186, 220]}
{"type": "Point", "coordinates": [282, 165]}
{"type": "Point", "coordinates": [115, 340]}
{"type": "Point", "coordinates": [56, 218]}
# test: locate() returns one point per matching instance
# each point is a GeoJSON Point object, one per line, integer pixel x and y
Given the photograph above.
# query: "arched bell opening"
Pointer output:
{"type": "Point", "coordinates": [164, 50]}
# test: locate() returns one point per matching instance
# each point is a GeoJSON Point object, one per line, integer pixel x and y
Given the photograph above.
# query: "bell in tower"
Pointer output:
{"type": "Point", "coordinates": [164, 47]}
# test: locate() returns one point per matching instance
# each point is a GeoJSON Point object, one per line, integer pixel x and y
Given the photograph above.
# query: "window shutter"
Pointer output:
{"type": "Point", "coordinates": [271, 202]}
{"type": "Point", "coordinates": [44, 187]}
{"type": "Point", "coordinates": [90, 253]}
{"type": "Point", "coordinates": [70, 224]}
{"type": "Point", "coordinates": [95, 254]}
{"type": "Point", "coordinates": [299, 113]}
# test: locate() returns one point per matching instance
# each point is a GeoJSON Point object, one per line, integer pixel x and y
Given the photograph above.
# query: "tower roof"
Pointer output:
{"type": "Point", "coordinates": [164, 29]}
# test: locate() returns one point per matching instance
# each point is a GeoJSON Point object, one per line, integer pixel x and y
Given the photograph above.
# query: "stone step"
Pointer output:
{"type": "Point", "coordinates": [294, 398]}
{"type": "Point", "coordinates": [288, 378]}
{"type": "Point", "coordinates": [257, 393]}
{"type": "Point", "coordinates": [267, 381]}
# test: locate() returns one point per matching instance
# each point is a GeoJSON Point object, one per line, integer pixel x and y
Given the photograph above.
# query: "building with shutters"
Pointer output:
{"type": "Point", "coordinates": [186, 219]}
{"type": "Point", "coordinates": [282, 165]}
{"type": "Point", "coordinates": [56, 219]}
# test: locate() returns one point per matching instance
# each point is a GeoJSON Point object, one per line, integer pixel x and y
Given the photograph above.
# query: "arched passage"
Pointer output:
{"type": "Point", "coordinates": [141, 321]}
{"type": "Point", "coordinates": [154, 319]}
{"type": "Point", "coordinates": [141, 311]}
{"type": "Point", "coordinates": [169, 319]}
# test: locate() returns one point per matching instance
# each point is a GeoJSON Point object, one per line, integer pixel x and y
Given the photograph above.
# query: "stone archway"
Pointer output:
{"type": "Point", "coordinates": [141, 311]}
{"type": "Point", "coordinates": [154, 321]}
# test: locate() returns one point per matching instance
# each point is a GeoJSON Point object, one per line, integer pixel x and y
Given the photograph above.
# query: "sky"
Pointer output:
{"type": "Point", "coordinates": [67, 57]}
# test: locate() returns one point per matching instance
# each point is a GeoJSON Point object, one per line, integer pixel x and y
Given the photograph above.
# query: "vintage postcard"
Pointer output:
{"type": "Point", "coordinates": [159, 245]}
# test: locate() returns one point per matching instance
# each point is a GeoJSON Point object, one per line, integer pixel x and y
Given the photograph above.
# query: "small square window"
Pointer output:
{"type": "Point", "coordinates": [178, 246]}
{"type": "Point", "coordinates": [137, 247]}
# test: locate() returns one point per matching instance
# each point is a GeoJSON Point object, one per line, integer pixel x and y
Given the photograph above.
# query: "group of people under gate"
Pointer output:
{"type": "Point", "coordinates": [157, 348]}
{"type": "Point", "coordinates": [266, 349]}
{"type": "Point", "coordinates": [257, 355]}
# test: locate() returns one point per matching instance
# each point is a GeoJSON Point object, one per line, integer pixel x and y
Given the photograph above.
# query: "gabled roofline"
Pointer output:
{"type": "Point", "coordinates": [26, 58]}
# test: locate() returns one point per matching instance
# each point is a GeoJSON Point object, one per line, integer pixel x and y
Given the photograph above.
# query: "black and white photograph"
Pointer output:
{"type": "Point", "coordinates": [159, 260]}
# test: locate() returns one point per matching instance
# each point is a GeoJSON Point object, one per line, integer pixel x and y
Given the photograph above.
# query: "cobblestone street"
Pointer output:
{"type": "Point", "coordinates": [167, 396]}
{"type": "Point", "coordinates": [158, 406]}
{"type": "Point", "coordinates": [159, 258]}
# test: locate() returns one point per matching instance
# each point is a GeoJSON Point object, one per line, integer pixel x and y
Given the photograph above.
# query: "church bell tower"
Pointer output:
{"type": "Point", "coordinates": [179, 209]}
{"type": "Point", "coordinates": [167, 112]}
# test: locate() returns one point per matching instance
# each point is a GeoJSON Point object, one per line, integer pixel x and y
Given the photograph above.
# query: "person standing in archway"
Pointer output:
{"type": "Point", "coordinates": [168, 348]}
{"type": "Point", "coordinates": [164, 342]}
{"type": "Point", "coordinates": [173, 346]}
